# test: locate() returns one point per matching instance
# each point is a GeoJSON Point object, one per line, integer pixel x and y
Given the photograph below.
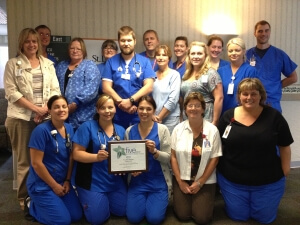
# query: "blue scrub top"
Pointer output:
{"type": "Point", "coordinates": [114, 71]}
{"type": "Point", "coordinates": [245, 71]}
{"type": "Point", "coordinates": [269, 69]}
{"type": "Point", "coordinates": [53, 59]}
{"type": "Point", "coordinates": [56, 162]}
{"type": "Point", "coordinates": [101, 67]}
{"type": "Point", "coordinates": [181, 69]}
{"type": "Point", "coordinates": [90, 131]}
{"type": "Point", "coordinates": [153, 179]}
{"type": "Point", "coordinates": [223, 63]}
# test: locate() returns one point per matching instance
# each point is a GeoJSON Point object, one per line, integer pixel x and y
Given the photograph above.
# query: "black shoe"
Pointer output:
{"type": "Point", "coordinates": [26, 210]}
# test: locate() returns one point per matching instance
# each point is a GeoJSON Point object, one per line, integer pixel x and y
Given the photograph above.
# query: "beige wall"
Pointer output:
{"type": "Point", "coordinates": [170, 18]}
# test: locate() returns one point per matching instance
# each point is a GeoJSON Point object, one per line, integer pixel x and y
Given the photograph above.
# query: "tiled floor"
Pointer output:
{"type": "Point", "coordinates": [288, 213]}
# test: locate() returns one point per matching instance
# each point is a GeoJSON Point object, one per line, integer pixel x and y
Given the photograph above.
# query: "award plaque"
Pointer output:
{"type": "Point", "coordinates": [127, 156]}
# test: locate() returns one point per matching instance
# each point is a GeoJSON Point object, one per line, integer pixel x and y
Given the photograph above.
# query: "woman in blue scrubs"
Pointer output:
{"type": "Point", "coordinates": [148, 191]}
{"type": "Point", "coordinates": [52, 199]}
{"type": "Point", "coordinates": [99, 192]}
{"type": "Point", "coordinates": [232, 74]}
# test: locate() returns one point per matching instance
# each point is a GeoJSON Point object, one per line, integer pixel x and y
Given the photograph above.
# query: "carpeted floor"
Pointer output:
{"type": "Point", "coordinates": [10, 213]}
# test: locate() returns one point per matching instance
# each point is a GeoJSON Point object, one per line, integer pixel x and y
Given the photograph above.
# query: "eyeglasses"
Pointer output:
{"type": "Point", "coordinates": [75, 49]}
{"type": "Point", "coordinates": [197, 106]}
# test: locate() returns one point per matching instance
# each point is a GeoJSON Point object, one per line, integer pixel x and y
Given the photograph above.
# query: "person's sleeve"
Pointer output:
{"type": "Point", "coordinates": [217, 145]}
{"type": "Point", "coordinates": [91, 81]}
{"type": "Point", "coordinates": [175, 91]}
{"type": "Point", "coordinates": [38, 139]}
{"type": "Point", "coordinates": [288, 65]}
{"type": "Point", "coordinates": [214, 79]}
{"type": "Point", "coordinates": [82, 135]}
{"type": "Point", "coordinates": [165, 145]}
{"type": "Point", "coordinates": [54, 85]}
{"type": "Point", "coordinates": [11, 89]}
{"type": "Point", "coordinates": [148, 71]}
{"type": "Point", "coordinates": [284, 134]}
{"type": "Point", "coordinates": [107, 73]}
{"type": "Point", "coordinates": [174, 138]}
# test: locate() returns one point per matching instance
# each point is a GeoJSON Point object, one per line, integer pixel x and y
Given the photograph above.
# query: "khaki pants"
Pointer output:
{"type": "Point", "coordinates": [199, 206]}
{"type": "Point", "coordinates": [19, 132]}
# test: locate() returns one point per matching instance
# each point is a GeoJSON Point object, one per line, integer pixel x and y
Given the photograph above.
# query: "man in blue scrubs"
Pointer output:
{"type": "Point", "coordinates": [127, 77]}
{"type": "Point", "coordinates": [270, 62]}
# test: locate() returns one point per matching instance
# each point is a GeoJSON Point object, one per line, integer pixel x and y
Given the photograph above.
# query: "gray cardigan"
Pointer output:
{"type": "Point", "coordinates": [164, 153]}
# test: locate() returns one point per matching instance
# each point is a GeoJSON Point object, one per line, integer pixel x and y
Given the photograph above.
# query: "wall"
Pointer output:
{"type": "Point", "coordinates": [170, 18]}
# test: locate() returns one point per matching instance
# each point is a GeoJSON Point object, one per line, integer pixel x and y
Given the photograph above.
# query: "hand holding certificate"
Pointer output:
{"type": "Point", "coordinates": [127, 156]}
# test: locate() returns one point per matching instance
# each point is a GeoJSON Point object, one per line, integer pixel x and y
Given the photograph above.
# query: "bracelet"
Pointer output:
{"type": "Point", "coordinates": [199, 184]}
{"type": "Point", "coordinates": [68, 180]}
{"type": "Point", "coordinates": [155, 151]}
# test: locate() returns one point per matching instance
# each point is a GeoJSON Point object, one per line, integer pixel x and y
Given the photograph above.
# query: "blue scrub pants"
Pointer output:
{"type": "Point", "coordinates": [48, 208]}
{"type": "Point", "coordinates": [152, 205]}
{"type": "Point", "coordinates": [243, 202]}
{"type": "Point", "coordinates": [97, 206]}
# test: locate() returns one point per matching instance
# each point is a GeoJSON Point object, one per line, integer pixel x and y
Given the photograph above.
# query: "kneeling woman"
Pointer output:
{"type": "Point", "coordinates": [148, 191]}
{"type": "Point", "coordinates": [53, 200]}
{"type": "Point", "coordinates": [196, 147]}
{"type": "Point", "coordinates": [100, 193]}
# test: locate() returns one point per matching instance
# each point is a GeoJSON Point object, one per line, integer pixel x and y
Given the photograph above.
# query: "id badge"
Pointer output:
{"type": "Point", "coordinates": [125, 76]}
{"type": "Point", "coordinates": [252, 63]}
{"type": "Point", "coordinates": [204, 78]}
{"type": "Point", "coordinates": [226, 132]}
{"type": "Point", "coordinates": [206, 143]}
{"type": "Point", "coordinates": [230, 89]}
{"type": "Point", "coordinates": [19, 72]}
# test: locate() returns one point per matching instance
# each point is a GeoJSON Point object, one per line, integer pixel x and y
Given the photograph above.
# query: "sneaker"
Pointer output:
{"type": "Point", "coordinates": [26, 209]}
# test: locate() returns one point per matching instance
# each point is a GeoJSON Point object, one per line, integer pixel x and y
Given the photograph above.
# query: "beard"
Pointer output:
{"type": "Point", "coordinates": [127, 51]}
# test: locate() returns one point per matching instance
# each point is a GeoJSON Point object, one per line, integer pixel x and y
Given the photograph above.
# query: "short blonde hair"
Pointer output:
{"type": "Point", "coordinates": [252, 84]}
{"type": "Point", "coordinates": [240, 42]}
{"type": "Point", "coordinates": [24, 34]}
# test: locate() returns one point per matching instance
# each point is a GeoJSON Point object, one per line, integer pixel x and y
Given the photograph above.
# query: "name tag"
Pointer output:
{"type": "Point", "coordinates": [252, 63]}
{"type": "Point", "coordinates": [226, 132]}
{"type": "Point", "coordinates": [230, 89]}
{"type": "Point", "coordinates": [19, 72]}
{"type": "Point", "coordinates": [125, 76]}
{"type": "Point", "coordinates": [204, 78]}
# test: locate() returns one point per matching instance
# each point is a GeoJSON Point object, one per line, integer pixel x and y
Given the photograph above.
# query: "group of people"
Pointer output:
{"type": "Point", "coordinates": [203, 119]}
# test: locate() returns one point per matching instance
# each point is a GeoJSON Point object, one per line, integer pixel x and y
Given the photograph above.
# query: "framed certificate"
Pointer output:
{"type": "Point", "coordinates": [127, 156]}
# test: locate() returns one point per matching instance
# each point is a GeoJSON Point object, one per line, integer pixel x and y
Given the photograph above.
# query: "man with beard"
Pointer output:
{"type": "Point", "coordinates": [270, 62]}
{"type": "Point", "coordinates": [127, 77]}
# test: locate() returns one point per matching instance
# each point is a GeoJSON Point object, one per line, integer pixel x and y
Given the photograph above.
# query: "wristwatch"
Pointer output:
{"type": "Point", "coordinates": [131, 100]}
